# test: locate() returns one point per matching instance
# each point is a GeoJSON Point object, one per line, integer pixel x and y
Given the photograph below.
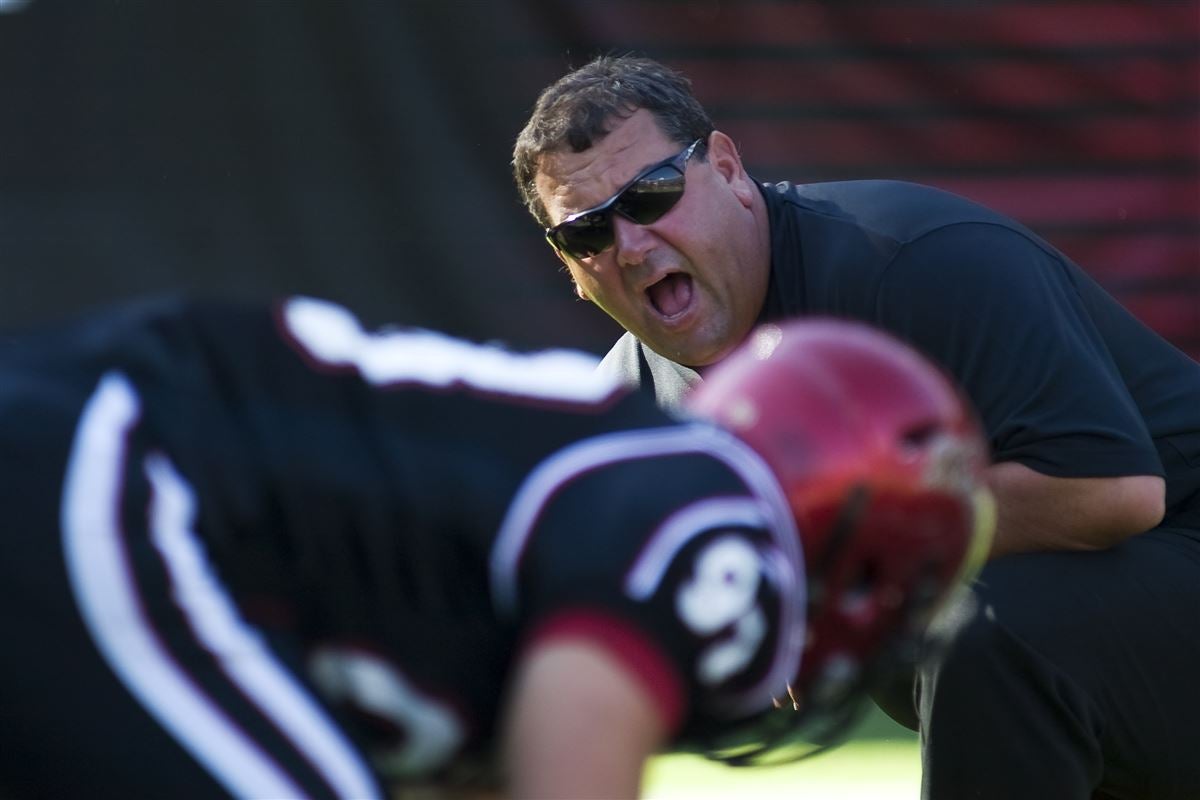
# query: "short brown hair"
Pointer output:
{"type": "Point", "coordinates": [577, 110]}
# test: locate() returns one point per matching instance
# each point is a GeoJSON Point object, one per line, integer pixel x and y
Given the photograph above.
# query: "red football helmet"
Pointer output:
{"type": "Point", "coordinates": [883, 465]}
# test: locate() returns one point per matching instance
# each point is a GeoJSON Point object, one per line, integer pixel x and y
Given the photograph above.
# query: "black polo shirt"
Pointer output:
{"type": "Point", "coordinates": [1065, 379]}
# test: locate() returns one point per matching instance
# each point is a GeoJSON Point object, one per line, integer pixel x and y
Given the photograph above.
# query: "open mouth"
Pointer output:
{"type": "Point", "coordinates": [672, 295]}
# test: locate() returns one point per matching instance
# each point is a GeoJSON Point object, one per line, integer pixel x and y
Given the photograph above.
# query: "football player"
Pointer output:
{"type": "Point", "coordinates": [269, 553]}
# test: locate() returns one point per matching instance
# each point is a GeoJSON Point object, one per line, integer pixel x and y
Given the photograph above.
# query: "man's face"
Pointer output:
{"type": "Point", "coordinates": [690, 285]}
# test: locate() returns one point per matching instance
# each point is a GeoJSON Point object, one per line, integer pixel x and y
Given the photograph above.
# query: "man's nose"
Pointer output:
{"type": "Point", "coordinates": [631, 241]}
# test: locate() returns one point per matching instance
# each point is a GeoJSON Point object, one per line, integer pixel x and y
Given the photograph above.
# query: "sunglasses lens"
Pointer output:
{"type": "Point", "coordinates": [644, 201]}
{"type": "Point", "coordinates": [585, 236]}
{"type": "Point", "coordinates": [651, 196]}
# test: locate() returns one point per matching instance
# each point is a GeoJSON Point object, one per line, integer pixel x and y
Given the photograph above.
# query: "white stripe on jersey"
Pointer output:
{"type": "Point", "coordinates": [772, 506]}
{"type": "Point", "coordinates": [680, 528]}
{"type": "Point", "coordinates": [108, 601]}
{"type": "Point", "coordinates": [238, 647]}
{"type": "Point", "coordinates": [333, 335]}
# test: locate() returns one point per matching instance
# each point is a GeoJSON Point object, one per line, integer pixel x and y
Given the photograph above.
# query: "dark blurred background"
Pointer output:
{"type": "Point", "coordinates": [359, 149]}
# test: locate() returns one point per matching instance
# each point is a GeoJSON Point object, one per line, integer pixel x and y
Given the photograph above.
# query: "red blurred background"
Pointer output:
{"type": "Point", "coordinates": [359, 150]}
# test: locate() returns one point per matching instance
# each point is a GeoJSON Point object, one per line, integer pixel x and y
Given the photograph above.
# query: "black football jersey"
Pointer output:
{"type": "Point", "coordinates": [403, 512]}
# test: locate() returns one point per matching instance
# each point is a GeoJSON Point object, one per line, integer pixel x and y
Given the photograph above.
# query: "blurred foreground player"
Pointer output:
{"type": "Point", "coordinates": [266, 553]}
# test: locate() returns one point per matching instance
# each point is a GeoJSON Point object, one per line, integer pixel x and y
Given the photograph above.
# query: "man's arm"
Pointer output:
{"type": "Point", "coordinates": [579, 725]}
{"type": "Point", "coordinates": [1040, 512]}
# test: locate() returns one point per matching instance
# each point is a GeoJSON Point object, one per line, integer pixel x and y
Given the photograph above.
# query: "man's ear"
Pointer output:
{"type": "Point", "coordinates": [567, 264]}
{"type": "Point", "coordinates": [567, 267]}
{"type": "Point", "coordinates": [579, 291]}
{"type": "Point", "coordinates": [724, 157]}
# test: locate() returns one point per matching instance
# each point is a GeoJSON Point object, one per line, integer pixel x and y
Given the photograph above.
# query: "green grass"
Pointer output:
{"type": "Point", "coordinates": [880, 762]}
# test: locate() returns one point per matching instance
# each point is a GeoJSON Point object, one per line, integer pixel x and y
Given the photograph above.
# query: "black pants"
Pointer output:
{"type": "Point", "coordinates": [1078, 677]}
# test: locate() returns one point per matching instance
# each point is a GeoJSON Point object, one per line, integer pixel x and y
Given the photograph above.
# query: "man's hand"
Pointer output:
{"type": "Point", "coordinates": [1040, 512]}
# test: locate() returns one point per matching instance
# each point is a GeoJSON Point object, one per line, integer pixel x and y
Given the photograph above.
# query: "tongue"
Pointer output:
{"type": "Point", "coordinates": [672, 294]}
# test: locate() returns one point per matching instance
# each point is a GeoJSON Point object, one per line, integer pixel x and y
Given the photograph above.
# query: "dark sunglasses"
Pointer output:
{"type": "Point", "coordinates": [643, 200]}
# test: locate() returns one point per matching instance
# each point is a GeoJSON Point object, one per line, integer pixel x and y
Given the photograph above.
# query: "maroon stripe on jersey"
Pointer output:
{"type": "Point", "coordinates": [643, 659]}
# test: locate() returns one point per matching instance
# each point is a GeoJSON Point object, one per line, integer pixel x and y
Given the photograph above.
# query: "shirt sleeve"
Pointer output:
{"type": "Point", "coordinates": [685, 585]}
{"type": "Point", "coordinates": [1000, 311]}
